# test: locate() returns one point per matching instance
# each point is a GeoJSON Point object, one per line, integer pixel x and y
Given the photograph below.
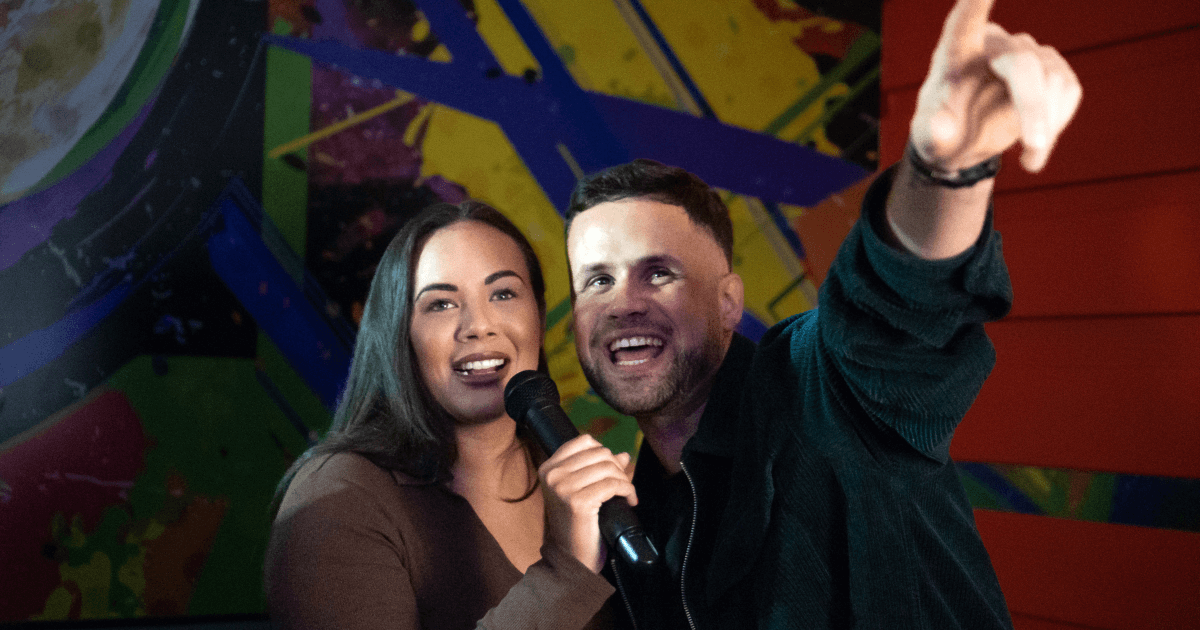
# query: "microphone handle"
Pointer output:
{"type": "Point", "coordinates": [618, 524]}
{"type": "Point", "coordinates": [553, 428]}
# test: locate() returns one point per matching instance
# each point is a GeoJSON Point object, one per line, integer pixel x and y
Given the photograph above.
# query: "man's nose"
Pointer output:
{"type": "Point", "coordinates": [629, 299]}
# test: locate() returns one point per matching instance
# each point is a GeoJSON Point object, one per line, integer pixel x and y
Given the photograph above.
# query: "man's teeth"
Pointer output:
{"type": "Point", "coordinates": [633, 342]}
{"type": "Point", "coordinates": [480, 365]}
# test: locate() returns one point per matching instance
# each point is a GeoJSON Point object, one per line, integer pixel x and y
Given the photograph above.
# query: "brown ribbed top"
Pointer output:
{"type": "Point", "coordinates": [355, 546]}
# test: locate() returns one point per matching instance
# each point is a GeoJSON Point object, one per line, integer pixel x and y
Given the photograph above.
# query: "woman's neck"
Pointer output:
{"type": "Point", "coordinates": [490, 460]}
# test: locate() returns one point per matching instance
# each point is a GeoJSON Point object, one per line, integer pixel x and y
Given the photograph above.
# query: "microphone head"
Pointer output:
{"type": "Point", "coordinates": [526, 387]}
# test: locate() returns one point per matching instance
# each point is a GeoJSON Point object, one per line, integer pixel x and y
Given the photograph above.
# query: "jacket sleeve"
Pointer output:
{"type": "Point", "coordinates": [904, 336]}
{"type": "Point", "coordinates": [337, 560]}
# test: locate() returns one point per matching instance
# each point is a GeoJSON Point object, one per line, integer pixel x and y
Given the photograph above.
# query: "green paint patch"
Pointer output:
{"type": "Point", "coordinates": [281, 27]}
{"type": "Point", "coordinates": [981, 496]}
{"type": "Point", "coordinates": [557, 313]}
{"type": "Point", "coordinates": [592, 415]}
{"type": "Point", "coordinates": [296, 393]}
{"type": "Point", "coordinates": [1097, 504]}
{"type": "Point", "coordinates": [220, 446]}
{"type": "Point", "coordinates": [566, 52]}
{"type": "Point", "coordinates": [287, 102]}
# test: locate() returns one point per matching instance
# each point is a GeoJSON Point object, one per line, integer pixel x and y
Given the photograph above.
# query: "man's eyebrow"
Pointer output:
{"type": "Point", "coordinates": [437, 286]}
{"type": "Point", "coordinates": [659, 259]}
{"type": "Point", "coordinates": [502, 274]}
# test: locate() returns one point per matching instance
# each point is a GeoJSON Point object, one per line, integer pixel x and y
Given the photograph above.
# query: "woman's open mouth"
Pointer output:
{"type": "Point", "coordinates": [481, 368]}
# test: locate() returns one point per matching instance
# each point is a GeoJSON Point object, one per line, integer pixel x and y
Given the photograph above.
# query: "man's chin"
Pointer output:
{"type": "Point", "coordinates": [633, 399]}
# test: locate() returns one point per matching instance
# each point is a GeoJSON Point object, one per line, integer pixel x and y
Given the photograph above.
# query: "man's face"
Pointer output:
{"type": "Point", "coordinates": [655, 303]}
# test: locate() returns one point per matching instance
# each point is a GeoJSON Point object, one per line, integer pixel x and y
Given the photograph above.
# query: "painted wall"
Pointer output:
{"type": "Point", "coordinates": [1083, 450]}
{"type": "Point", "coordinates": [195, 194]}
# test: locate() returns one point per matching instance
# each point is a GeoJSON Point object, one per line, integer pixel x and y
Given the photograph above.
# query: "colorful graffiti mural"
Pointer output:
{"type": "Point", "coordinates": [196, 193]}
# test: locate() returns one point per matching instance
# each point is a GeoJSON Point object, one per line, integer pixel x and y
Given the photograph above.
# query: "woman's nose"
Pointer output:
{"type": "Point", "coordinates": [476, 323]}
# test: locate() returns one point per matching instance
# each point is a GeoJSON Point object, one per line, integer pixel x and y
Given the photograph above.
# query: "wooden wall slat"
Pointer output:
{"type": "Point", "coordinates": [1127, 246]}
{"type": "Point", "coordinates": [1136, 116]}
{"type": "Point", "coordinates": [1117, 577]}
{"type": "Point", "coordinates": [911, 27]}
{"type": "Point", "coordinates": [1109, 394]}
{"type": "Point", "coordinates": [1026, 622]}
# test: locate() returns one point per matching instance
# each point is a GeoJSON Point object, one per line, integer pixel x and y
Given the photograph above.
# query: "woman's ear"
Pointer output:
{"type": "Point", "coordinates": [732, 294]}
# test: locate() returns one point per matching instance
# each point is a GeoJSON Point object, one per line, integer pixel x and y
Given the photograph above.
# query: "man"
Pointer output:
{"type": "Point", "coordinates": [806, 482]}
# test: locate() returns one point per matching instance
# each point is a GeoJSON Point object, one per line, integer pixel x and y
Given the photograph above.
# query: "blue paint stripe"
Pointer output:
{"type": "Point", "coordinates": [278, 305]}
{"type": "Point", "coordinates": [451, 84]}
{"type": "Point", "coordinates": [729, 157]}
{"type": "Point", "coordinates": [453, 28]}
{"type": "Point", "coordinates": [751, 327]}
{"type": "Point", "coordinates": [535, 118]}
{"type": "Point", "coordinates": [40, 347]}
{"type": "Point", "coordinates": [1156, 502]}
{"type": "Point", "coordinates": [996, 482]}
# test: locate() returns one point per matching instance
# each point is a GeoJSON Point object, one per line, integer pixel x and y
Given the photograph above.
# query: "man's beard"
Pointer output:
{"type": "Point", "coordinates": [688, 370]}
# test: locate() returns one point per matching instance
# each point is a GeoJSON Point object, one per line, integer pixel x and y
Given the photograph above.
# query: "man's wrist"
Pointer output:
{"type": "Point", "coordinates": [929, 174]}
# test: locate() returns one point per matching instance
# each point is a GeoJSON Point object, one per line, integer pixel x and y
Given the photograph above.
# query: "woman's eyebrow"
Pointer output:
{"type": "Point", "coordinates": [437, 286]}
{"type": "Point", "coordinates": [502, 274]}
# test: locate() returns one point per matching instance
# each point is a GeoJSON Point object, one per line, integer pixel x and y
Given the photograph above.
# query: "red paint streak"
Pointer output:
{"type": "Point", "coordinates": [78, 466]}
{"type": "Point", "coordinates": [291, 12]}
{"type": "Point", "coordinates": [816, 39]}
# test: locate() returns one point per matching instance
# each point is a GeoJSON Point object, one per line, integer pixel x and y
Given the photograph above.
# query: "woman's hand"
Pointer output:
{"type": "Point", "coordinates": [580, 476]}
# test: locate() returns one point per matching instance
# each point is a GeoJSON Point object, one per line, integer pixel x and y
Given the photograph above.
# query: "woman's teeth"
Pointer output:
{"type": "Point", "coordinates": [476, 366]}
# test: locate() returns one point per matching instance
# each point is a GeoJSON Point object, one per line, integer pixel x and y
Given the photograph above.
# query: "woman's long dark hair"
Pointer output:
{"type": "Point", "coordinates": [386, 413]}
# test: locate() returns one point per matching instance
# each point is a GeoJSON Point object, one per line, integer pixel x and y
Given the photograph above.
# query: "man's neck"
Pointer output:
{"type": "Point", "coordinates": [667, 436]}
{"type": "Point", "coordinates": [668, 431]}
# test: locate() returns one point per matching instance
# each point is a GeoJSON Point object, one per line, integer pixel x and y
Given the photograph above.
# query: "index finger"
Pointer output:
{"type": "Point", "coordinates": [576, 444]}
{"type": "Point", "coordinates": [962, 34]}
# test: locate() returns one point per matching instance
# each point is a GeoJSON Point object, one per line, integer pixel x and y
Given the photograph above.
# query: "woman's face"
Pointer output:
{"type": "Point", "coordinates": [475, 319]}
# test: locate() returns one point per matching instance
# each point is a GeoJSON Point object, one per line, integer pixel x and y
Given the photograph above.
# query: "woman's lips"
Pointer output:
{"type": "Point", "coordinates": [482, 368]}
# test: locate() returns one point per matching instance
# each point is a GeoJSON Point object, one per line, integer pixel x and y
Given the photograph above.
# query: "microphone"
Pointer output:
{"type": "Point", "coordinates": [532, 398]}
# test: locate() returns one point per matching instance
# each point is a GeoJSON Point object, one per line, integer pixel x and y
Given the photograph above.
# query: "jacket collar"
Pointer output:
{"type": "Point", "coordinates": [718, 422]}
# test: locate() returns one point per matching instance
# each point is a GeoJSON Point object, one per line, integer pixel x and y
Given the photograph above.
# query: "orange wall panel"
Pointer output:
{"type": "Point", "coordinates": [1137, 115]}
{"type": "Point", "coordinates": [1099, 575]}
{"type": "Point", "coordinates": [1125, 246]}
{"type": "Point", "coordinates": [1027, 622]}
{"type": "Point", "coordinates": [911, 27]}
{"type": "Point", "coordinates": [1115, 394]}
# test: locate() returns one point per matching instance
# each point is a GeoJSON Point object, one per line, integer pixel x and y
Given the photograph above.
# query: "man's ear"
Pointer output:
{"type": "Point", "coordinates": [732, 294]}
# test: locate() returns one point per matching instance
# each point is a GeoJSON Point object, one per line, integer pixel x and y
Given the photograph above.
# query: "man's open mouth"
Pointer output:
{"type": "Point", "coordinates": [629, 351]}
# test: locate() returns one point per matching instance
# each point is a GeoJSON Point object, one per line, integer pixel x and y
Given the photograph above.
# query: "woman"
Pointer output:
{"type": "Point", "coordinates": [421, 508]}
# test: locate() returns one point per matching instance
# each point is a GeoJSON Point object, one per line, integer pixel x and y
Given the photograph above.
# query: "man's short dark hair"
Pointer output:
{"type": "Point", "coordinates": [647, 179]}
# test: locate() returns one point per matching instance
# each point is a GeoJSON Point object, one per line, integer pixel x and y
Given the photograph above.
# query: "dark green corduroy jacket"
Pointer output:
{"type": "Point", "coordinates": [826, 494]}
